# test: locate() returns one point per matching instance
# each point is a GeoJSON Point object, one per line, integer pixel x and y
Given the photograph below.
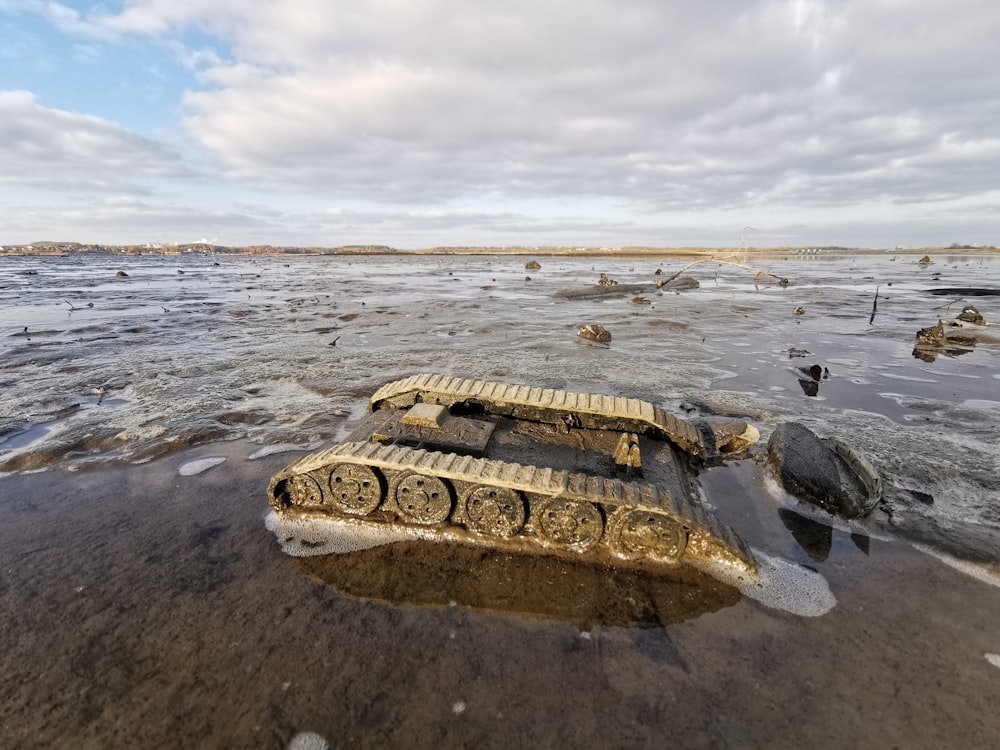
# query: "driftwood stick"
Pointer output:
{"type": "Point", "coordinates": [760, 271]}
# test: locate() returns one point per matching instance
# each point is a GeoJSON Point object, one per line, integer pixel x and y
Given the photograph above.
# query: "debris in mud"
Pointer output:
{"type": "Point", "coordinates": [516, 469]}
{"type": "Point", "coordinates": [596, 333]}
{"type": "Point", "coordinates": [680, 284]}
{"type": "Point", "coordinates": [824, 472]}
{"type": "Point", "coordinates": [970, 314]}
{"type": "Point", "coordinates": [952, 338]}
{"type": "Point", "coordinates": [810, 377]}
{"type": "Point", "coordinates": [532, 265]}
{"type": "Point", "coordinates": [727, 434]}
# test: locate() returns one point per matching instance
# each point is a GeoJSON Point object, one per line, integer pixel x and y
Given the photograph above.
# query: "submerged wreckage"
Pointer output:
{"type": "Point", "coordinates": [522, 469]}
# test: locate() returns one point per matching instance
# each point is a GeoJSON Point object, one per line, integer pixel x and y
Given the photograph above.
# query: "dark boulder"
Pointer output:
{"type": "Point", "coordinates": [826, 473]}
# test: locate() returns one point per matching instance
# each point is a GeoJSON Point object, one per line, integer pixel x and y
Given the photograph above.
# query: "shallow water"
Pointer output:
{"type": "Point", "coordinates": [147, 605]}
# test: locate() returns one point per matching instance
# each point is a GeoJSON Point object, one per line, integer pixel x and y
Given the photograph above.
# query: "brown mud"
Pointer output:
{"type": "Point", "coordinates": [142, 608]}
{"type": "Point", "coordinates": [146, 605]}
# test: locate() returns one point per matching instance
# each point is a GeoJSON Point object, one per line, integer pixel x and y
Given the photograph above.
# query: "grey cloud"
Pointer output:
{"type": "Point", "coordinates": [649, 109]}
{"type": "Point", "coordinates": [44, 147]}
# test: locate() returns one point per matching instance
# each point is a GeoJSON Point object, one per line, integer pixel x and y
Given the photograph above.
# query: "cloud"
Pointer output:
{"type": "Point", "coordinates": [659, 107]}
{"type": "Point", "coordinates": [649, 115]}
{"type": "Point", "coordinates": [51, 148]}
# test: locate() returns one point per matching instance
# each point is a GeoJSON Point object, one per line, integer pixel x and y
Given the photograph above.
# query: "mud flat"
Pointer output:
{"type": "Point", "coordinates": [144, 603]}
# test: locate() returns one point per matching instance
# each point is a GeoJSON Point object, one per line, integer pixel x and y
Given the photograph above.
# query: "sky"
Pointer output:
{"type": "Point", "coordinates": [422, 123]}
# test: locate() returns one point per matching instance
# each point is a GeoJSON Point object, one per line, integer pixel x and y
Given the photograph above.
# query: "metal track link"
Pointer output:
{"type": "Point", "coordinates": [591, 410]}
{"type": "Point", "coordinates": [610, 493]}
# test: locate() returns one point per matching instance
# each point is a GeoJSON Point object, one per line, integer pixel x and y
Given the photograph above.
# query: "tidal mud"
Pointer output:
{"type": "Point", "coordinates": [145, 604]}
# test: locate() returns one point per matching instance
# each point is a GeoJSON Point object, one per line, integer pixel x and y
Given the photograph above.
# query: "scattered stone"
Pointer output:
{"type": "Point", "coordinates": [970, 314]}
{"type": "Point", "coordinates": [532, 265]}
{"type": "Point", "coordinates": [594, 332]}
{"type": "Point", "coordinates": [639, 301]}
{"type": "Point", "coordinates": [826, 473]}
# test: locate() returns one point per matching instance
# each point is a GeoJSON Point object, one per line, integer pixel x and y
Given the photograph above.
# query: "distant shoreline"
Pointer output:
{"type": "Point", "coordinates": [77, 249]}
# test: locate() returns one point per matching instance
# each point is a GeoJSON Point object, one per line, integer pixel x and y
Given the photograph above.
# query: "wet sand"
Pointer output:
{"type": "Point", "coordinates": [142, 608]}
{"type": "Point", "coordinates": [146, 605]}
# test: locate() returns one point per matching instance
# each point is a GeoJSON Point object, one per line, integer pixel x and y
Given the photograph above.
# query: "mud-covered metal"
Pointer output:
{"type": "Point", "coordinates": [605, 481]}
{"type": "Point", "coordinates": [589, 410]}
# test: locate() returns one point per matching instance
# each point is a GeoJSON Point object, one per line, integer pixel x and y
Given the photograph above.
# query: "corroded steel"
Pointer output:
{"type": "Point", "coordinates": [506, 505]}
{"type": "Point", "coordinates": [588, 410]}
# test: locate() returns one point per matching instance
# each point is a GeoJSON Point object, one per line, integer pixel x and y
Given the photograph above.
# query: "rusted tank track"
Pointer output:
{"type": "Point", "coordinates": [587, 410]}
{"type": "Point", "coordinates": [503, 505]}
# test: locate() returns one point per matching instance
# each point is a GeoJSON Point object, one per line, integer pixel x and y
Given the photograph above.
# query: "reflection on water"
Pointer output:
{"type": "Point", "coordinates": [440, 575]}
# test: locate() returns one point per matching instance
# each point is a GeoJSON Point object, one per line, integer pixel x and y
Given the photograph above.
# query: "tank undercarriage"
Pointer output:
{"type": "Point", "coordinates": [527, 470]}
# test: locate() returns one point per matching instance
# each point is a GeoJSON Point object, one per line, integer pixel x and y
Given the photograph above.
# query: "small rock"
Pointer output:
{"type": "Point", "coordinates": [594, 332]}
{"type": "Point", "coordinates": [532, 265]}
{"type": "Point", "coordinates": [970, 314]}
{"type": "Point", "coordinates": [932, 336]}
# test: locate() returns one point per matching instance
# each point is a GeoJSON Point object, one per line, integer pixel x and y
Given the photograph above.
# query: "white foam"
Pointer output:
{"type": "Point", "coordinates": [270, 450]}
{"type": "Point", "coordinates": [305, 537]}
{"type": "Point", "coordinates": [308, 741]}
{"type": "Point", "coordinates": [783, 585]}
{"type": "Point", "coordinates": [979, 572]}
{"type": "Point", "coordinates": [993, 659]}
{"type": "Point", "coordinates": [202, 464]}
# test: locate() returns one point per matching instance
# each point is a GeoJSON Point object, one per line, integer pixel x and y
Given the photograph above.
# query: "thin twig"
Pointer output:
{"type": "Point", "coordinates": [760, 271]}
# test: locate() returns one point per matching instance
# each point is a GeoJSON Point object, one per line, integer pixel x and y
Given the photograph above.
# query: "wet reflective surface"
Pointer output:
{"type": "Point", "coordinates": [144, 604]}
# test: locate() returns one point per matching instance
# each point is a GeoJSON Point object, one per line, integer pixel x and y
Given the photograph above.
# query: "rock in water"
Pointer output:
{"type": "Point", "coordinates": [970, 314]}
{"type": "Point", "coordinates": [823, 472]}
{"type": "Point", "coordinates": [594, 332]}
